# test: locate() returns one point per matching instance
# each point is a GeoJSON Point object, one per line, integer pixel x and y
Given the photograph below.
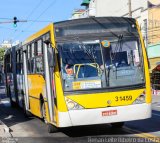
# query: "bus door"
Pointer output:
{"type": "Point", "coordinates": [26, 94]}
{"type": "Point", "coordinates": [49, 75]}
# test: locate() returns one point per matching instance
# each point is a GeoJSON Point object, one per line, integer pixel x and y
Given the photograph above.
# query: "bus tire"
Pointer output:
{"type": "Point", "coordinates": [43, 109]}
{"type": "Point", "coordinates": [117, 125]}
{"type": "Point", "coordinates": [52, 128]}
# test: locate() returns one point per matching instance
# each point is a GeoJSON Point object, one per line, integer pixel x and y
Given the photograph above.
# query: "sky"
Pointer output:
{"type": "Point", "coordinates": [38, 14]}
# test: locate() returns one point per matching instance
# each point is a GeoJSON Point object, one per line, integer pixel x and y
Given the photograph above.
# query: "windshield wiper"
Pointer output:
{"type": "Point", "coordinates": [117, 48]}
{"type": "Point", "coordinates": [91, 57]}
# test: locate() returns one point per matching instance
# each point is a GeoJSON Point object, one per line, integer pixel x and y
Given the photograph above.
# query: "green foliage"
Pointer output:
{"type": "Point", "coordinates": [2, 50]}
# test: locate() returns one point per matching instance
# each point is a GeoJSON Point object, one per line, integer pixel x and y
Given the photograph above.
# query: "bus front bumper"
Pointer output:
{"type": "Point", "coordinates": [104, 115]}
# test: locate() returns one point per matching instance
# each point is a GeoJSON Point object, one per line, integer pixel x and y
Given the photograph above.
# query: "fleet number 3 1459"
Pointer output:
{"type": "Point", "coordinates": [123, 98]}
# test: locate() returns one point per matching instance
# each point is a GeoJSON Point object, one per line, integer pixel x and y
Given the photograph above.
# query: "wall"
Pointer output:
{"type": "Point", "coordinates": [154, 25]}
{"type": "Point", "coordinates": [153, 55]}
{"type": "Point", "coordinates": [111, 8]}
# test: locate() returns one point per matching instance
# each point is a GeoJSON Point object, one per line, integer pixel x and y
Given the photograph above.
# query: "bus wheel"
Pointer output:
{"type": "Point", "coordinates": [117, 125]}
{"type": "Point", "coordinates": [52, 128]}
{"type": "Point", "coordinates": [44, 112]}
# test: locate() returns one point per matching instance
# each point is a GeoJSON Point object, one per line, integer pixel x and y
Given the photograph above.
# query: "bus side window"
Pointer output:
{"type": "Point", "coordinates": [8, 63]}
{"type": "Point", "coordinates": [21, 61]}
{"type": "Point", "coordinates": [17, 61]}
{"type": "Point", "coordinates": [28, 58]}
{"type": "Point", "coordinates": [32, 59]}
{"type": "Point", "coordinates": [39, 57]}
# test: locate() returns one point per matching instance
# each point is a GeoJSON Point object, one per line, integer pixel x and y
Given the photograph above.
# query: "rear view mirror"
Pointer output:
{"type": "Point", "coordinates": [51, 57]}
{"type": "Point", "coordinates": [50, 54]}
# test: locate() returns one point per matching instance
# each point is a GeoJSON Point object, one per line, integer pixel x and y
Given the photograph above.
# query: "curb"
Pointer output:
{"type": "Point", "coordinates": [4, 130]}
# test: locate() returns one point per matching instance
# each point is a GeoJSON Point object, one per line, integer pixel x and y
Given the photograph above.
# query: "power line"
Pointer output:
{"type": "Point", "coordinates": [40, 21]}
{"type": "Point", "coordinates": [6, 18]}
{"type": "Point", "coordinates": [29, 20]}
{"type": "Point", "coordinates": [36, 7]}
{"type": "Point", "coordinates": [50, 5]}
{"type": "Point", "coordinates": [1, 27]}
{"type": "Point", "coordinates": [33, 10]}
{"type": "Point", "coordinates": [44, 11]}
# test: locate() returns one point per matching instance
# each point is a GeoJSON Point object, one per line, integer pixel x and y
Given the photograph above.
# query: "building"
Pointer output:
{"type": "Point", "coordinates": [6, 44]}
{"type": "Point", "coordinates": [154, 33]}
{"type": "Point", "coordinates": [154, 24]}
{"type": "Point", "coordinates": [153, 51]}
{"type": "Point", "coordinates": [100, 8]}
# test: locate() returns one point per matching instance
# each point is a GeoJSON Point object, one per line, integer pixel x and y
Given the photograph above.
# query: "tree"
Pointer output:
{"type": "Point", "coordinates": [2, 50]}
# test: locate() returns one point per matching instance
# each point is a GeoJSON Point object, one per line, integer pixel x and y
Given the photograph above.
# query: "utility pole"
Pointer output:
{"type": "Point", "coordinates": [130, 8]}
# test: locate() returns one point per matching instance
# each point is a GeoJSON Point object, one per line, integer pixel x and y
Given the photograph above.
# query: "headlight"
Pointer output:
{"type": "Point", "coordinates": [73, 105]}
{"type": "Point", "coordinates": [140, 99]}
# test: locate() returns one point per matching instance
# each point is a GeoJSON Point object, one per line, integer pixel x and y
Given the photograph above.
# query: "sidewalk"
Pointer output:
{"type": "Point", "coordinates": [4, 130]}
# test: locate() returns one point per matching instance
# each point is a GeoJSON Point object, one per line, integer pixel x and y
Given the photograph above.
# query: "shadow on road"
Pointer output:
{"type": "Point", "coordinates": [93, 130]}
{"type": "Point", "coordinates": [10, 116]}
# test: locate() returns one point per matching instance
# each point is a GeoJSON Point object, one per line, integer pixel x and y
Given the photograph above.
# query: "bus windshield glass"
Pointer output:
{"type": "Point", "coordinates": [80, 63]}
{"type": "Point", "coordinates": [88, 65]}
{"type": "Point", "coordinates": [123, 63]}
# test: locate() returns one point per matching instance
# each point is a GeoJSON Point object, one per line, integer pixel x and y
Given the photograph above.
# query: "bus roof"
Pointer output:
{"type": "Point", "coordinates": [75, 22]}
{"type": "Point", "coordinates": [93, 19]}
{"type": "Point", "coordinates": [39, 33]}
{"type": "Point", "coordinates": [94, 26]}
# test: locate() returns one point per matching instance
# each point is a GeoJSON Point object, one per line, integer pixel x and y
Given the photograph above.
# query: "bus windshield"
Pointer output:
{"type": "Point", "coordinates": [123, 63]}
{"type": "Point", "coordinates": [88, 65]}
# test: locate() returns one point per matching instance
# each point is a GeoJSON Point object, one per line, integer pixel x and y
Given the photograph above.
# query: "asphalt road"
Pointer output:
{"type": "Point", "coordinates": [33, 129]}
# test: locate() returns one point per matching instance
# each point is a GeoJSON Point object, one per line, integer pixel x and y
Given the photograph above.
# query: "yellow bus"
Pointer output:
{"type": "Point", "coordinates": [85, 72]}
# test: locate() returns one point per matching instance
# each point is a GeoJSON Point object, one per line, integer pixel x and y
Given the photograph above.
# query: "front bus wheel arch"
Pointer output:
{"type": "Point", "coordinates": [51, 128]}
{"type": "Point", "coordinates": [43, 111]}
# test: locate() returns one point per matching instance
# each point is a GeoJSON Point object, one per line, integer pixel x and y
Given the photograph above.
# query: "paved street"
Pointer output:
{"type": "Point", "coordinates": [34, 127]}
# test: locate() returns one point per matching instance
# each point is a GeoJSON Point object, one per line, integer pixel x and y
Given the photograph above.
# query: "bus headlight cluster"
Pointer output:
{"type": "Point", "coordinates": [73, 105]}
{"type": "Point", "coordinates": [140, 99]}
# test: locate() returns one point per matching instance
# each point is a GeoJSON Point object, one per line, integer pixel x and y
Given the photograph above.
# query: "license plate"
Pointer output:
{"type": "Point", "coordinates": [109, 113]}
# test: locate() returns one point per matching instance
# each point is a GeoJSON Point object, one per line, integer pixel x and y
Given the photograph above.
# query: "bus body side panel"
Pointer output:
{"type": "Point", "coordinates": [36, 84]}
